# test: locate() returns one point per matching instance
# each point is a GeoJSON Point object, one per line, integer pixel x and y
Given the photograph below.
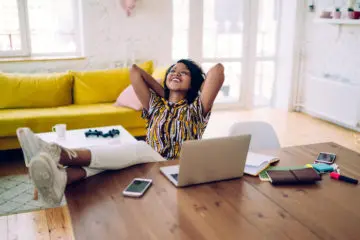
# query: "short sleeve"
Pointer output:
{"type": "Point", "coordinates": [154, 103]}
{"type": "Point", "coordinates": [198, 108]}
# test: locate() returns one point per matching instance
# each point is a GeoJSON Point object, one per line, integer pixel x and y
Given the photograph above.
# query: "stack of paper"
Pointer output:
{"type": "Point", "coordinates": [255, 163]}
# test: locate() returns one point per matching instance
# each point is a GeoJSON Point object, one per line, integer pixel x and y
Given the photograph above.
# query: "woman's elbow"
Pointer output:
{"type": "Point", "coordinates": [134, 69]}
{"type": "Point", "coordinates": [134, 73]}
{"type": "Point", "coordinates": [220, 70]}
{"type": "Point", "coordinates": [220, 67]}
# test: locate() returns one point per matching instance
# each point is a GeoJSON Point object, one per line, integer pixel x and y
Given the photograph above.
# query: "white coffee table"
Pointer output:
{"type": "Point", "coordinates": [77, 139]}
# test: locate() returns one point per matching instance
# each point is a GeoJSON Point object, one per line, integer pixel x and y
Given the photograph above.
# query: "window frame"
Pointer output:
{"type": "Point", "coordinates": [25, 35]}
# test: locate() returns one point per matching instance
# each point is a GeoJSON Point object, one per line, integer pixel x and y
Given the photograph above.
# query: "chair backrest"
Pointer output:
{"type": "Point", "coordinates": [263, 135]}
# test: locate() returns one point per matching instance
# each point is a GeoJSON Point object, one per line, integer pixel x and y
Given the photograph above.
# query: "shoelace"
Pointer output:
{"type": "Point", "coordinates": [71, 153]}
{"type": "Point", "coordinates": [55, 150]}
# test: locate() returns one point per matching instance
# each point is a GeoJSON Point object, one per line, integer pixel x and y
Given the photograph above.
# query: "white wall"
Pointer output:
{"type": "Point", "coordinates": [107, 33]}
{"type": "Point", "coordinates": [329, 50]}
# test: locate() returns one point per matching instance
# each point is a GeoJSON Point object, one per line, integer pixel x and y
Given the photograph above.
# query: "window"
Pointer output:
{"type": "Point", "coordinates": [180, 29]}
{"type": "Point", "coordinates": [222, 36]}
{"type": "Point", "coordinates": [268, 13]}
{"type": "Point", "coordinates": [39, 28]}
{"type": "Point", "coordinates": [240, 34]}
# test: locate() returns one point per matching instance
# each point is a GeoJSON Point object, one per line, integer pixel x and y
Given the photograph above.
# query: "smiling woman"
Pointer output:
{"type": "Point", "coordinates": [181, 110]}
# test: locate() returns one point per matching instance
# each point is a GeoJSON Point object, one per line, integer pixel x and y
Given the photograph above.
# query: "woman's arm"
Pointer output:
{"type": "Point", "coordinates": [142, 83]}
{"type": "Point", "coordinates": [213, 82]}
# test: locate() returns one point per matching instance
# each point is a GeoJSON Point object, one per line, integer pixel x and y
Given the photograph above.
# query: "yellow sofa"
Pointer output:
{"type": "Point", "coordinates": [78, 99]}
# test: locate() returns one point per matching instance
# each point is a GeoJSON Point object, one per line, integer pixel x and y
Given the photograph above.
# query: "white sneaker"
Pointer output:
{"type": "Point", "coordinates": [32, 145]}
{"type": "Point", "coordinates": [49, 180]}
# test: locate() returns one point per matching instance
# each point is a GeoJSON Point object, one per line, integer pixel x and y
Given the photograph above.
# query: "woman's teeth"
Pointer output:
{"type": "Point", "coordinates": [176, 80]}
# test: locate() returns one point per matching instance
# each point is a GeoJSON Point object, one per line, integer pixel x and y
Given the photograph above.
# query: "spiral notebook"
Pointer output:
{"type": "Point", "coordinates": [256, 163]}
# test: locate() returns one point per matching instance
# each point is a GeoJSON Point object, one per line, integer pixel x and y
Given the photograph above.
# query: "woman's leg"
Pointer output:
{"type": "Point", "coordinates": [76, 162]}
{"type": "Point", "coordinates": [99, 157]}
{"type": "Point", "coordinates": [74, 174]}
{"type": "Point", "coordinates": [32, 145]}
{"type": "Point", "coordinates": [51, 178]}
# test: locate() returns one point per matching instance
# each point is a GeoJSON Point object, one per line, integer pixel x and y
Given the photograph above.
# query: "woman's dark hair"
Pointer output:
{"type": "Point", "coordinates": [197, 79]}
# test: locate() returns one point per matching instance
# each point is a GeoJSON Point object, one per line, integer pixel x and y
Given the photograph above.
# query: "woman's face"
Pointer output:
{"type": "Point", "coordinates": [179, 78]}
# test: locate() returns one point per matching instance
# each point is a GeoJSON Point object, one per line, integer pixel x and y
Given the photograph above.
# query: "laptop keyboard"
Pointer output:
{"type": "Point", "coordinates": [175, 176]}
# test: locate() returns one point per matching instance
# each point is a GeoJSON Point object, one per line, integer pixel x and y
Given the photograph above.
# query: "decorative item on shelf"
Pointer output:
{"type": "Point", "coordinates": [337, 13]}
{"type": "Point", "coordinates": [351, 13]}
{"type": "Point", "coordinates": [128, 6]}
{"type": "Point", "coordinates": [325, 14]}
{"type": "Point", "coordinates": [356, 14]}
{"type": "Point", "coordinates": [311, 5]}
{"type": "Point", "coordinates": [312, 8]}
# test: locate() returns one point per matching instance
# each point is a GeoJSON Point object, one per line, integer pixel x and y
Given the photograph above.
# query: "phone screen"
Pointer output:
{"type": "Point", "coordinates": [326, 157]}
{"type": "Point", "coordinates": [137, 186]}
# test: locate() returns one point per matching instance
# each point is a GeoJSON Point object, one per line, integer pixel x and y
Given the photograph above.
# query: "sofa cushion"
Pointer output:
{"type": "Point", "coordinates": [35, 90]}
{"type": "Point", "coordinates": [103, 86]}
{"type": "Point", "coordinates": [128, 98]}
{"type": "Point", "coordinates": [75, 116]}
{"type": "Point", "coordinates": [159, 74]}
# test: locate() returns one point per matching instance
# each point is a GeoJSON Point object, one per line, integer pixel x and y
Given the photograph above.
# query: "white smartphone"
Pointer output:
{"type": "Point", "coordinates": [137, 187]}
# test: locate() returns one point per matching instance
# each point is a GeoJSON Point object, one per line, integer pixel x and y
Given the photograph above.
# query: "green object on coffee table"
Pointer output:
{"type": "Point", "coordinates": [264, 176]}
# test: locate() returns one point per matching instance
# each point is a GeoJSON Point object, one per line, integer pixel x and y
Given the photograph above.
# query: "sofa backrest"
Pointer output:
{"type": "Point", "coordinates": [60, 89]}
{"type": "Point", "coordinates": [35, 90]}
{"type": "Point", "coordinates": [102, 86]}
{"type": "Point", "coordinates": [159, 74]}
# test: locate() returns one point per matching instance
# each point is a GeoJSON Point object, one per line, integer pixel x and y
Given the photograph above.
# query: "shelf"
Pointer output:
{"type": "Point", "coordinates": [338, 21]}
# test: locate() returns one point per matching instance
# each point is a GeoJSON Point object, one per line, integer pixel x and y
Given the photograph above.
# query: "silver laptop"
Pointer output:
{"type": "Point", "coordinates": [209, 160]}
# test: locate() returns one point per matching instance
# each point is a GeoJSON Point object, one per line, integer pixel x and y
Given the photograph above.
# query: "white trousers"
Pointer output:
{"type": "Point", "coordinates": [112, 157]}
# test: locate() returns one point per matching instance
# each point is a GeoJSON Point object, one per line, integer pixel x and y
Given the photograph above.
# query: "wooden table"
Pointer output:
{"type": "Point", "coordinates": [244, 208]}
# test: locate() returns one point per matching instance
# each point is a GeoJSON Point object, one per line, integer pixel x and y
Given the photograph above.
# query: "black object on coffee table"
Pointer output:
{"type": "Point", "coordinates": [112, 133]}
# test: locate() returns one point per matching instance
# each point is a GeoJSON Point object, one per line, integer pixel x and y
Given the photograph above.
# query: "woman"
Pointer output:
{"type": "Point", "coordinates": [174, 114]}
{"type": "Point", "coordinates": [177, 112]}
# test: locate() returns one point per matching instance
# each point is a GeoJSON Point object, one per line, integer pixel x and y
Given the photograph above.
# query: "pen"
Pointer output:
{"type": "Point", "coordinates": [337, 176]}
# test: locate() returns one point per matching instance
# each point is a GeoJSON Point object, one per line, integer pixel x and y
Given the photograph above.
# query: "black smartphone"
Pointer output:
{"type": "Point", "coordinates": [325, 157]}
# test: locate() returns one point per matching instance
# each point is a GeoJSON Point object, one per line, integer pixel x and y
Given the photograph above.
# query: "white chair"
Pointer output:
{"type": "Point", "coordinates": [263, 135]}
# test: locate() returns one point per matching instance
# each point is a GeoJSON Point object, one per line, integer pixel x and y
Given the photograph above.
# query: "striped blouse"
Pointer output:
{"type": "Point", "coordinates": [170, 124]}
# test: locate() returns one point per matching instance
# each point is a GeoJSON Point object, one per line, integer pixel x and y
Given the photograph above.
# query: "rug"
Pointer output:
{"type": "Point", "coordinates": [16, 195]}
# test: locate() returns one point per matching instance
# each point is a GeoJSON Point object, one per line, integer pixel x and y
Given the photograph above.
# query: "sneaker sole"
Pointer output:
{"type": "Point", "coordinates": [27, 145]}
{"type": "Point", "coordinates": [42, 175]}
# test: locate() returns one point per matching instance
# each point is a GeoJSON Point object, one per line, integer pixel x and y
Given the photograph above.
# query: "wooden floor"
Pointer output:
{"type": "Point", "coordinates": [292, 129]}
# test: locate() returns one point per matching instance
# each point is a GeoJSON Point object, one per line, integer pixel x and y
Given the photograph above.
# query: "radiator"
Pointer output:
{"type": "Point", "coordinates": [333, 101]}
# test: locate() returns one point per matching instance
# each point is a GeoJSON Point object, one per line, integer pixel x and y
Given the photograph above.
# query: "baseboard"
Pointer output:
{"type": "Point", "coordinates": [325, 118]}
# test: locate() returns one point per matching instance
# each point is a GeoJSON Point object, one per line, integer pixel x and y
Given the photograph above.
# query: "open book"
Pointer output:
{"type": "Point", "coordinates": [255, 163]}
